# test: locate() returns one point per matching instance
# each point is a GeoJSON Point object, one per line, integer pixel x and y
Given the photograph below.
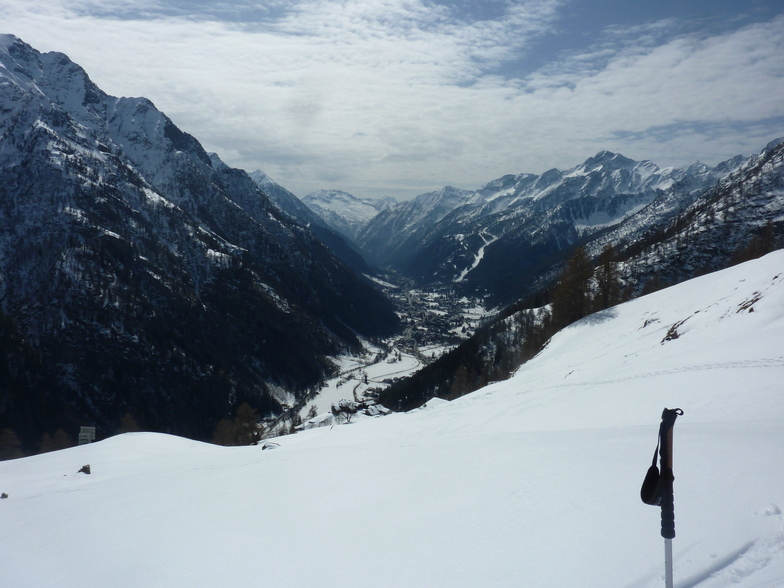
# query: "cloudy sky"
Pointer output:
{"type": "Point", "coordinates": [400, 97]}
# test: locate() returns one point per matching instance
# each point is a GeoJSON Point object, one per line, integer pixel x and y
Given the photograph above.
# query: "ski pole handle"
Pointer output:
{"type": "Point", "coordinates": [667, 477]}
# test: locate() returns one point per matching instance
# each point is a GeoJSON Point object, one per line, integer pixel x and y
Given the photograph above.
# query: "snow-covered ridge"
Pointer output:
{"type": "Point", "coordinates": [343, 212]}
{"type": "Point", "coordinates": [285, 200]}
{"type": "Point", "coordinates": [6, 41]}
{"type": "Point", "coordinates": [438, 237]}
{"type": "Point", "coordinates": [394, 231]}
{"type": "Point", "coordinates": [534, 481]}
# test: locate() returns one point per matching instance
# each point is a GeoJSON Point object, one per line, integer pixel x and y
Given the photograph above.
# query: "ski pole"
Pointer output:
{"type": "Point", "coordinates": [666, 488]}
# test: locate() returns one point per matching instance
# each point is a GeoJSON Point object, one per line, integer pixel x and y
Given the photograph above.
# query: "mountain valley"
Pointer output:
{"type": "Point", "coordinates": [141, 277]}
{"type": "Point", "coordinates": [508, 486]}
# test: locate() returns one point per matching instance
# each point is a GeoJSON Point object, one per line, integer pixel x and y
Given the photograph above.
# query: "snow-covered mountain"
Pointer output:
{"type": "Point", "coordinates": [501, 239]}
{"type": "Point", "coordinates": [675, 238]}
{"type": "Point", "coordinates": [289, 204]}
{"type": "Point", "coordinates": [530, 482]}
{"type": "Point", "coordinates": [286, 201]}
{"type": "Point", "coordinates": [605, 175]}
{"type": "Point", "coordinates": [137, 274]}
{"type": "Point", "coordinates": [394, 232]}
{"type": "Point", "coordinates": [449, 245]}
{"type": "Point", "coordinates": [343, 212]}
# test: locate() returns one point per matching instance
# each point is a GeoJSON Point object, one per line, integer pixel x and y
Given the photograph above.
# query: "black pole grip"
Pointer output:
{"type": "Point", "coordinates": [667, 496]}
{"type": "Point", "coordinates": [667, 505]}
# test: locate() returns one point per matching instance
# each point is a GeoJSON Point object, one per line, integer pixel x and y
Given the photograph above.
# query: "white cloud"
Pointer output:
{"type": "Point", "coordinates": [403, 96]}
{"type": "Point", "coordinates": [690, 81]}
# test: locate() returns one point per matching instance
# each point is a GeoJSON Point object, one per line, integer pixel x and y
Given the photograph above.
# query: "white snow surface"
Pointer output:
{"type": "Point", "coordinates": [529, 482]}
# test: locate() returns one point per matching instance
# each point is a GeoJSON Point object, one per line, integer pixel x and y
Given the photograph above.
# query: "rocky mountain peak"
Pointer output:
{"type": "Point", "coordinates": [144, 275]}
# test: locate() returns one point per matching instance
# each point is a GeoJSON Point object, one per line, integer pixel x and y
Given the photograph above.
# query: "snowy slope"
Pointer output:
{"type": "Point", "coordinates": [529, 482]}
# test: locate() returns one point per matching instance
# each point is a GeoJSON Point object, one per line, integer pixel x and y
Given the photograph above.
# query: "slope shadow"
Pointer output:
{"type": "Point", "coordinates": [598, 318]}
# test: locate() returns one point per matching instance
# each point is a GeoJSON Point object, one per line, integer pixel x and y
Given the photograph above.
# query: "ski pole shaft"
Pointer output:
{"type": "Point", "coordinates": [667, 494]}
{"type": "Point", "coordinates": [668, 563]}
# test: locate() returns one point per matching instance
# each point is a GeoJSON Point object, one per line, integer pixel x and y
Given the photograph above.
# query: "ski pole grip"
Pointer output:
{"type": "Point", "coordinates": [667, 506]}
{"type": "Point", "coordinates": [667, 477]}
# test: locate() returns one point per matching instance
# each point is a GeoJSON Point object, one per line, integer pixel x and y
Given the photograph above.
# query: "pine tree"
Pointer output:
{"type": "Point", "coordinates": [128, 424]}
{"type": "Point", "coordinates": [759, 245]}
{"type": "Point", "coordinates": [10, 446]}
{"type": "Point", "coordinates": [572, 294]}
{"type": "Point", "coordinates": [608, 284]}
{"type": "Point", "coordinates": [224, 433]}
{"type": "Point", "coordinates": [460, 383]}
{"type": "Point", "coordinates": [246, 423]}
{"type": "Point", "coordinates": [652, 285]}
{"type": "Point", "coordinates": [244, 429]}
{"type": "Point", "coordinates": [59, 440]}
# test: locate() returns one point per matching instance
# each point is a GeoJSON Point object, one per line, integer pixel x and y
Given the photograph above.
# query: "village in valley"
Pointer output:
{"type": "Point", "coordinates": [434, 322]}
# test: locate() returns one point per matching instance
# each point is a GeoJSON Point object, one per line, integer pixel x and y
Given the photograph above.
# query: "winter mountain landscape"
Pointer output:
{"type": "Point", "coordinates": [462, 388]}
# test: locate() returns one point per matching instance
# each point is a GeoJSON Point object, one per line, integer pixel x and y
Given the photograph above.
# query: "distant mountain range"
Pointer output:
{"type": "Point", "coordinates": [140, 275]}
{"type": "Point", "coordinates": [504, 240]}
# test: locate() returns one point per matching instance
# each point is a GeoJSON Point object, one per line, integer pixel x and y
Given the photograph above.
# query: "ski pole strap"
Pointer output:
{"type": "Point", "coordinates": [665, 437]}
{"type": "Point", "coordinates": [650, 492]}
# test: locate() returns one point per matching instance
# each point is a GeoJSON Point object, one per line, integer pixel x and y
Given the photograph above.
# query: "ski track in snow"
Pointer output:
{"type": "Point", "coordinates": [720, 565]}
{"type": "Point", "coordinates": [733, 568]}
{"type": "Point", "coordinates": [751, 558]}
